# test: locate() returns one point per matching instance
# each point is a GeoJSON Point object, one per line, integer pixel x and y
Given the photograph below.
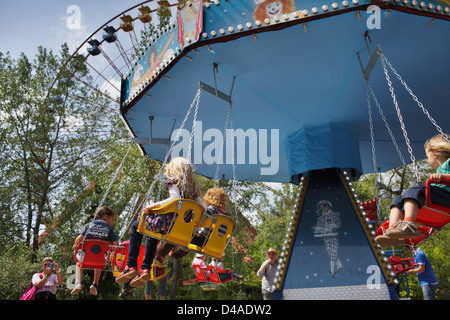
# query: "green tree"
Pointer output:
{"type": "Point", "coordinates": [47, 136]}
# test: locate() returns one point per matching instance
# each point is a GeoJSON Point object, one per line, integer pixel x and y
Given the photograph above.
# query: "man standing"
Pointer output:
{"type": "Point", "coordinates": [425, 273]}
{"type": "Point", "coordinates": [268, 272]}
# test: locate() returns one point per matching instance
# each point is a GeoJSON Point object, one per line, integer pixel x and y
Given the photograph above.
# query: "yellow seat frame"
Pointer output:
{"type": "Point", "coordinates": [181, 231]}
{"type": "Point", "coordinates": [215, 246]}
{"type": "Point", "coordinates": [155, 264]}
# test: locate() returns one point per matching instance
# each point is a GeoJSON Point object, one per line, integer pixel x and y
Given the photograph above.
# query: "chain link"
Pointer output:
{"type": "Point", "coordinates": [402, 123]}
{"type": "Point", "coordinates": [188, 156]}
{"type": "Point", "coordinates": [425, 111]}
{"type": "Point", "coordinates": [168, 153]}
{"type": "Point", "coordinates": [114, 178]}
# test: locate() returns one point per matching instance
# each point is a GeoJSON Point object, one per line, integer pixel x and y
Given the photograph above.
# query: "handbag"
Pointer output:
{"type": "Point", "coordinates": [30, 293]}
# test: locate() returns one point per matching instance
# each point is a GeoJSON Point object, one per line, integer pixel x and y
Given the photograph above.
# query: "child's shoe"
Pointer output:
{"type": "Point", "coordinates": [386, 241]}
{"type": "Point", "coordinates": [93, 289]}
{"type": "Point", "coordinates": [76, 289]}
{"type": "Point", "coordinates": [127, 274]}
{"type": "Point", "coordinates": [404, 230]}
{"type": "Point", "coordinates": [141, 279]}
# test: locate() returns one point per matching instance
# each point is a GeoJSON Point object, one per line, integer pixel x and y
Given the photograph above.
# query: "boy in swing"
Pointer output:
{"type": "Point", "coordinates": [405, 208]}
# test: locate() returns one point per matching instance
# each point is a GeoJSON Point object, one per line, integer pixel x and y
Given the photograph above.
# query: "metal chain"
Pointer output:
{"type": "Point", "coordinates": [116, 174]}
{"type": "Point", "coordinates": [216, 178]}
{"type": "Point", "coordinates": [161, 168]}
{"type": "Point", "coordinates": [394, 141]}
{"type": "Point", "coordinates": [188, 156]}
{"type": "Point", "coordinates": [374, 157]}
{"type": "Point", "coordinates": [438, 128]}
{"type": "Point", "coordinates": [400, 118]}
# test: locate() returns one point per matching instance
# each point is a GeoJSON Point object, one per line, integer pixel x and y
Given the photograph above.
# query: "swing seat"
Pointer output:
{"type": "Point", "coordinates": [186, 219]}
{"type": "Point", "coordinates": [400, 265]}
{"type": "Point", "coordinates": [92, 254]}
{"type": "Point", "coordinates": [201, 273]}
{"type": "Point", "coordinates": [431, 214]}
{"type": "Point", "coordinates": [222, 227]}
{"type": "Point", "coordinates": [119, 262]}
{"type": "Point", "coordinates": [158, 270]}
{"type": "Point", "coordinates": [215, 275]}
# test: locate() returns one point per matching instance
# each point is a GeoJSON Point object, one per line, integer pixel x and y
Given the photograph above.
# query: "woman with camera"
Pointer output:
{"type": "Point", "coordinates": [47, 281]}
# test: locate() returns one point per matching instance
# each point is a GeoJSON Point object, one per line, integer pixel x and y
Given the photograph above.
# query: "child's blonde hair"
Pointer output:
{"type": "Point", "coordinates": [216, 197]}
{"type": "Point", "coordinates": [438, 145]}
{"type": "Point", "coordinates": [177, 167]}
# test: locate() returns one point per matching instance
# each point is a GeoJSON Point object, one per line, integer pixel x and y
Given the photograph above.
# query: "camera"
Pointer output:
{"type": "Point", "coordinates": [51, 265]}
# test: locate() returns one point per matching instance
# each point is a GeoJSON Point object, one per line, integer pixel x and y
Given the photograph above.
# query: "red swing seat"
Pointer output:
{"type": "Point", "coordinates": [96, 254]}
{"type": "Point", "coordinates": [431, 214]}
{"type": "Point", "coordinates": [119, 262]}
{"type": "Point", "coordinates": [215, 275]}
{"type": "Point", "coordinates": [201, 273]}
{"type": "Point", "coordinates": [400, 265]}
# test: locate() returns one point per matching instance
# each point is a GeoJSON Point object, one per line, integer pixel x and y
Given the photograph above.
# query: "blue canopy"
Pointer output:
{"type": "Point", "coordinates": [297, 89]}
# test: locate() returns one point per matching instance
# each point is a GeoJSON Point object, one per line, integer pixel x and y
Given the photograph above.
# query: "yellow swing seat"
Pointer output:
{"type": "Point", "coordinates": [182, 228]}
{"type": "Point", "coordinates": [222, 227]}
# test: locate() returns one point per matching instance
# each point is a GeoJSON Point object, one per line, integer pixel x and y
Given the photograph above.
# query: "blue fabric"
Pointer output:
{"type": "Point", "coordinates": [438, 196]}
{"type": "Point", "coordinates": [328, 145]}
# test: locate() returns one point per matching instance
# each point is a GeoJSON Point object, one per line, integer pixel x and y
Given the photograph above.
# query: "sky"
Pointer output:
{"type": "Point", "coordinates": [27, 24]}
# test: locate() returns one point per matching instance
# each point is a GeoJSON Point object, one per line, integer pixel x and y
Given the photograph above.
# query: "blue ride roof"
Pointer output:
{"type": "Point", "coordinates": [298, 87]}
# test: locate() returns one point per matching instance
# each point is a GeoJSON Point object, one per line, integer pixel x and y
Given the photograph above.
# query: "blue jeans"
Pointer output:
{"type": "Point", "coordinates": [429, 291]}
{"type": "Point", "coordinates": [135, 244]}
{"type": "Point", "coordinates": [438, 195]}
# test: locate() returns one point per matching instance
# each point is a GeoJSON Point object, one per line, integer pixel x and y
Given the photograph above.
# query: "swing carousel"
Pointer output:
{"type": "Point", "coordinates": [295, 83]}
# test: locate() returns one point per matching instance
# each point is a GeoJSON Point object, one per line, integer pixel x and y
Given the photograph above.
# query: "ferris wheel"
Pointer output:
{"type": "Point", "coordinates": [111, 51]}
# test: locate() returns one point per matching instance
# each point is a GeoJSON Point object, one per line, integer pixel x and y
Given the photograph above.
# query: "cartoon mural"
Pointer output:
{"type": "Point", "coordinates": [272, 8]}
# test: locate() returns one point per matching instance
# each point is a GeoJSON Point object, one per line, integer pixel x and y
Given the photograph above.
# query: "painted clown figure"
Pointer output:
{"type": "Point", "coordinates": [327, 223]}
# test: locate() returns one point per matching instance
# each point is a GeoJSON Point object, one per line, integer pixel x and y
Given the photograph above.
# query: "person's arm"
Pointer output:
{"type": "Point", "coordinates": [59, 277]}
{"type": "Point", "coordinates": [77, 241]}
{"type": "Point", "coordinates": [419, 269]}
{"type": "Point", "coordinates": [174, 193]}
{"type": "Point", "coordinates": [42, 281]}
{"type": "Point", "coordinates": [263, 268]}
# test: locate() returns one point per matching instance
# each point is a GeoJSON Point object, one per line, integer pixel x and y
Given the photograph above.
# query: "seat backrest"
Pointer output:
{"type": "Point", "coordinates": [201, 272]}
{"type": "Point", "coordinates": [187, 218]}
{"type": "Point", "coordinates": [217, 276]}
{"type": "Point", "coordinates": [158, 270]}
{"type": "Point", "coordinates": [119, 259]}
{"type": "Point", "coordinates": [222, 229]}
{"type": "Point", "coordinates": [432, 214]}
{"type": "Point", "coordinates": [92, 254]}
